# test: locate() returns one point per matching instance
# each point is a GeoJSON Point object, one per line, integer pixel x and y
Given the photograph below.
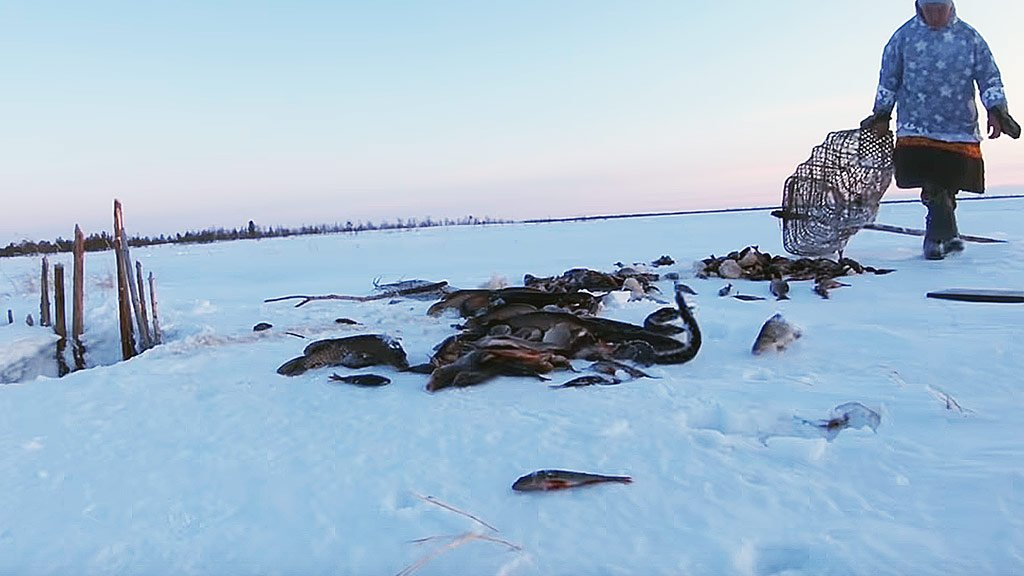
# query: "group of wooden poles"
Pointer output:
{"type": "Point", "coordinates": [131, 297]}
{"type": "Point", "coordinates": [133, 314]}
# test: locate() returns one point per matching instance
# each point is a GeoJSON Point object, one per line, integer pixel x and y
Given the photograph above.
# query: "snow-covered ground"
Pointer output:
{"type": "Point", "coordinates": [197, 458]}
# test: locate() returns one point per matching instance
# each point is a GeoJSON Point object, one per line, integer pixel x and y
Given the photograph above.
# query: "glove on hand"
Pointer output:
{"type": "Point", "coordinates": [878, 123]}
{"type": "Point", "coordinates": [1000, 121]}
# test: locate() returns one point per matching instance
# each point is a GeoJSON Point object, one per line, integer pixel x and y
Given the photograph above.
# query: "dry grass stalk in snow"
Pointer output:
{"type": "Point", "coordinates": [453, 541]}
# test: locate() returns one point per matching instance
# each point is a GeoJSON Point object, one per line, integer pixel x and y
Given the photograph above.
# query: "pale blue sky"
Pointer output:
{"type": "Point", "coordinates": [211, 113]}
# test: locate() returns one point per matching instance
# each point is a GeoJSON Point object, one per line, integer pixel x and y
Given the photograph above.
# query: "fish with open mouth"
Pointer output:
{"type": "Point", "coordinates": [775, 335]}
{"type": "Point", "coordinates": [544, 480]}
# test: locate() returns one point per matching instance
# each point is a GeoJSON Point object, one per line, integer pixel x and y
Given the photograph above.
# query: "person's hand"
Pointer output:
{"type": "Point", "coordinates": [877, 123]}
{"type": "Point", "coordinates": [1000, 122]}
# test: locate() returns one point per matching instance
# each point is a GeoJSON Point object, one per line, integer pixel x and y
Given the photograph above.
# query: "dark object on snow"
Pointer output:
{"type": "Point", "coordinates": [262, 326]}
{"type": "Point", "coordinates": [346, 321]}
{"type": "Point", "coordinates": [748, 297]}
{"type": "Point", "coordinates": [366, 380]}
{"type": "Point", "coordinates": [724, 290]}
{"type": "Point", "coordinates": [613, 367]}
{"type": "Point", "coordinates": [430, 289]}
{"type": "Point", "coordinates": [589, 380]}
{"type": "Point", "coordinates": [976, 295]}
{"type": "Point", "coordinates": [543, 480]}
{"type": "Point", "coordinates": [919, 232]}
{"type": "Point", "coordinates": [836, 192]}
{"type": "Point", "coordinates": [352, 352]}
{"type": "Point", "coordinates": [686, 289]}
{"type": "Point", "coordinates": [470, 303]}
{"type": "Point", "coordinates": [941, 235]}
{"type": "Point", "coordinates": [775, 335]}
{"type": "Point", "coordinates": [779, 288]}
{"type": "Point", "coordinates": [663, 261]}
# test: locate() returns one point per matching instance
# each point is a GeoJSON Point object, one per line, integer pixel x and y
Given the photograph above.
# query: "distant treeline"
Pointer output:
{"type": "Point", "coordinates": [105, 241]}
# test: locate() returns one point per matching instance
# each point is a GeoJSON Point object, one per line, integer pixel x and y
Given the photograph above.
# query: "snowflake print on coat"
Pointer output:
{"type": "Point", "coordinates": [929, 76]}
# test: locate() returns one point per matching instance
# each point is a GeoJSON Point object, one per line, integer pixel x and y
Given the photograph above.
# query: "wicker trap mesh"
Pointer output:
{"type": "Point", "coordinates": [835, 192]}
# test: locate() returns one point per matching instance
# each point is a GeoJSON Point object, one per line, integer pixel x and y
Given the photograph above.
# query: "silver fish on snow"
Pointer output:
{"type": "Point", "coordinates": [543, 480]}
{"type": "Point", "coordinates": [776, 334]}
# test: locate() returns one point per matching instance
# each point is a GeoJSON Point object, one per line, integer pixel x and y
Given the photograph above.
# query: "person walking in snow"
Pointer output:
{"type": "Point", "coordinates": [929, 71]}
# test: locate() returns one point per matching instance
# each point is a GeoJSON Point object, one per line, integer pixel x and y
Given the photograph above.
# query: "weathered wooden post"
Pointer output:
{"type": "Point", "coordinates": [78, 301]}
{"type": "Point", "coordinates": [123, 306]}
{"type": "Point", "coordinates": [157, 336]}
{"type": "Point", "coordinates": [44, 294]}
{"type": "Point", "coordinates": [60, 322]}
{"type": "Point", "coordinates": [143, 314]}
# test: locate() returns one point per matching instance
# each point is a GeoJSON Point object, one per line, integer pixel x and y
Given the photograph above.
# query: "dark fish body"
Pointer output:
{"type": "Point", "coordinates": [748, 297]}
{"type": "Point", "coordinates": [368, 380]}
{"type": "Point", "coordinates": [775, 335]}
{"type": "Point", "coordinates": [686, 289]}
{"type": "Point", "coordinates": [352, 352]}
{"type": "Point", "coordinates": [262, 326]}
{"type": "Point", "coordinates": [544, 480]}
{"type": "Point", "coordinates": [780, 288]}
{"type": "Point", "coordinates": [589, 380]}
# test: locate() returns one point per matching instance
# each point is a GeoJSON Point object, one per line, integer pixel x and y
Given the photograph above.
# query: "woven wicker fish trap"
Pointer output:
{"type": "Point", "coordinates": [835, 192]}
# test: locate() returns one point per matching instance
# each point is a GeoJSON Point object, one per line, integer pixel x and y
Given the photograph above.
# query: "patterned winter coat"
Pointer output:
{"type": "Point", "coordinates": [929, 75]}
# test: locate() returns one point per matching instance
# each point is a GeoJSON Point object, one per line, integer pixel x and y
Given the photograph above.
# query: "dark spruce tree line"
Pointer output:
{"type": "Point", "coordinates": [105, 241]}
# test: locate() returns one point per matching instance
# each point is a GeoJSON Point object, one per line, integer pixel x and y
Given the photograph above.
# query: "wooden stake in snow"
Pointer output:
{"type": "Point", "coordinates": [157, 336]}
{"type": "Point", "coordinates": [140, 308]}
{"type": "Point", "coordinates": [78, 300]}
{"type": "Point", "coordinates": [44, 296]}
{"type": "Point", "coordinates": [10, 316]}
{"type": "Point", "coordinates": [60, 323]}
{"type": "Point", "coordinates": [123, 304]}
{"type": "Point", "coordinates": [133, 292]}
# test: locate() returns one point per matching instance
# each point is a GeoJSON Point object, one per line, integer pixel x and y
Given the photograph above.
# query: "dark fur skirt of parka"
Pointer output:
{"type": "Point", "coordinates": [918, 166]}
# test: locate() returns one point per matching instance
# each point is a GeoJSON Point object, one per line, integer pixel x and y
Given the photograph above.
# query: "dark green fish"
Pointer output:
{"type": "Point", "coordinates": [589, 380]}
{"type": "Point", "coordinates": [352, 352]}
{"type": "Point", "coordinates": [543, 480]}
{"type": "Point", "coordinates": [362, 379]}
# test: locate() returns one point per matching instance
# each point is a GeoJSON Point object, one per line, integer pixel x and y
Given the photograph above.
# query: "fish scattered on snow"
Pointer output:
{"type": "Point", "coordinates": [613, 367]}
{"type": "Point", "coordinates": [780, 288]}
{"type": "Point", "coordinates": [683, 287]}
{"type": "Point", "coordinates": [543, 480]}
{"type": "Point", "coordinates": [775, 335]}
{"type": "Point", "coordinates": [352, 352]}
{"type": "Point", "coordinates": [663, 261]}
{"type": "Point", "coordinates": [724, 291]}
{"type": "Point", "coordinates": [748, 297]}
{"type": "Point", "coordinates": [849, 415]}
{"type": "Point", "coordinates": [368, 380]}
{"type": "Point", "coordinates": [823, 285]}
{"type": "Point", "coordinates": [589, 380]}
